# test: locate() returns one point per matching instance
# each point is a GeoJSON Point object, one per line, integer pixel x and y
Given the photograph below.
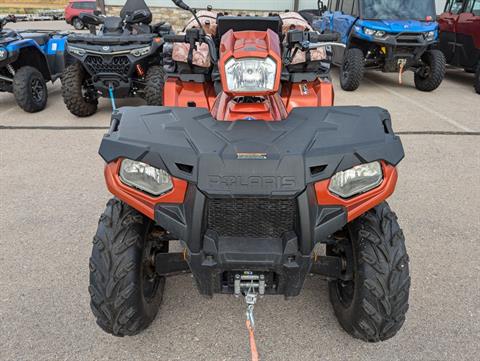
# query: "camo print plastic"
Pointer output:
{"type": "Point", "coordinates": [208, 19]}
{"type": "Point", "coordinates": [295, 21]}
{"type": "Point", "coordinates": [201, 56]}
{"type": "Point", "coordinates": [315, 55]}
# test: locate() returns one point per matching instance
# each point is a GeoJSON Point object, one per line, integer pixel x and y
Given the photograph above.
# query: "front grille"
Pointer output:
{"type": "Point", "coordinates": [117, 64]}
{"type": "Point", "coordinates": [409, 38]}
{"type": "Point", "coordinates": [251, 217]}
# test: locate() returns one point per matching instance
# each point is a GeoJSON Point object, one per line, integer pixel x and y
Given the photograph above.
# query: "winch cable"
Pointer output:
{"type": "Point", "coordinates": [253, 345]}
{"type": "Point", "coordinates": [400, 72]}
{"type": "Point", "coordinates": [112, 97]}
{"type": "Point", "coordinates": [251, 299]}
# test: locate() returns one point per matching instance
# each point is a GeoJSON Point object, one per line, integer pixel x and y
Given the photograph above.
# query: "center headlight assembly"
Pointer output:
{"type": "Point", "coordinates": [372, 32]}
{"type": "Point", "coordinates": [76, 51]}
{"type": "Point", "coordinates": [250, 74]}
{"type": "Point", "coordinates": [140, 51]}
{"type": "Point", "coordinates": [145, 177]}
{"type": "Point", "coordinates": [356, 180]}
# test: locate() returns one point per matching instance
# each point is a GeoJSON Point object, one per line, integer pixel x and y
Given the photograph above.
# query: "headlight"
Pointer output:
{"type": "Point", "coordinates": [145, 177]}
{"type": "Point", "coordinates": [250, 74]}
{"type": "Point", "coordinates": [76, 51]}
{"type": "Point", "coordinates": [356, 180]}
{"type": "Point", "coordinates": [372, 32]}
{"type": "Point", "coordinates": [140, 51]}
{"type": "Point", "coordinates": [3, 54]}
{"type": "Point", "coordinates": [430, 36]}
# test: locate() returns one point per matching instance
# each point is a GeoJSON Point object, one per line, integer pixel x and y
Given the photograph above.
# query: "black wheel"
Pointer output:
{"type": "Point", "coordinates": [125, 291]}
{"type": "Point", "coordinates": [30, 89]}
{"type": "Point", "coordinates": [155, 80]}
{"type": "Point", "coordinates": [351, 72]}
{"type": "Point", "coordinates": [372, 306]}
{"type": "Point", "coordinates": [78, 100]}
{"type": "Point", "coordinates": [431, 74]}
{"type": "Point", "coordinates": [477, 79]}
{"type": "Point", "coordinates": [78, 24]}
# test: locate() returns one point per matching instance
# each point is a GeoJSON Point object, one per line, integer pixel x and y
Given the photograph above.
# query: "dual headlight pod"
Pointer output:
{"type": "Point", "coordinates": [430, 36]}
{"type": "Point", "coordinates": [145, 177]}
{"type": "Point", "coordinates": [77, 51]}
{"type": "Point", "coordinates": [141, 51]}
{"type": "Point", "coordinates": [372, 32]}
{"type": "Point", "coordinates": [250, 74]}
{"type": "Point", "coordinates": [3, 54]}
{"type": "Point", "coordinates": [356, 180]}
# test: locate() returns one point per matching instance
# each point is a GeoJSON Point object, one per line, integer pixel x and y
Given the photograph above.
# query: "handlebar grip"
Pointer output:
{"type": "Point", "coordinates": [320, 38]}
{"type": "Point", "coordinates": [175, 38]}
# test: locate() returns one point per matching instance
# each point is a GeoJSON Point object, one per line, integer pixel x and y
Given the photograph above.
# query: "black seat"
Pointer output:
{"type": "Point", "coordinates": [39, 38]}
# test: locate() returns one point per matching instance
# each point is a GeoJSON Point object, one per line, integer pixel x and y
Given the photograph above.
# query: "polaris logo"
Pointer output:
{"type": "Point", "coordinates": [106, 48]}
{"type": "Point", "coordinates": [268, 182]}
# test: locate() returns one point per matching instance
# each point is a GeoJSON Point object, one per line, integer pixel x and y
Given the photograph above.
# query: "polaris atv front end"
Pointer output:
{"type": "Point", "coordinates": [252, 169]}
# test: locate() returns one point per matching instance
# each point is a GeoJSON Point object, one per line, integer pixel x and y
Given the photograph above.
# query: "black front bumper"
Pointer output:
{"type": "Point", "coordinates": [250, 239]}
{"type": "Point", "coordinates": [251, 203]}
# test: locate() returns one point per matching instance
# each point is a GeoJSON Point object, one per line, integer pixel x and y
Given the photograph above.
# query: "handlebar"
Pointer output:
{"type": "Point", "coordinates": [319, 38]}
{"type": "Point", "coordinates": [175, 38]}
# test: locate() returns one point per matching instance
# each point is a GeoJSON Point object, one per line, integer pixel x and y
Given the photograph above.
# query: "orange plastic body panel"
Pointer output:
{"type": "Point", "coordinates": [318, 93]}
{"type": "Point", "coordinates": [142, 202]}
{"type": "Point", "coordinates": [360, 204]}
{"type": "Point", "coordinates": [250, 44]}
{"type": "Point", "coordinates": [226, 108]}
{"type": "Point", "coordinates": [184, 94]}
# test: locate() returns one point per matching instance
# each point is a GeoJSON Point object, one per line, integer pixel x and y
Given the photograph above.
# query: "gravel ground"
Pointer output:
{"type": "Point", "coordinates": [52, 193]}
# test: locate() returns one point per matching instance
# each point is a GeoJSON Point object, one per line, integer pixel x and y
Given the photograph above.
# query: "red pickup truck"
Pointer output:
{"type": "Point", "coordinates": [460, 35]}
{"type": "Point", "coordinates": [75, 8]}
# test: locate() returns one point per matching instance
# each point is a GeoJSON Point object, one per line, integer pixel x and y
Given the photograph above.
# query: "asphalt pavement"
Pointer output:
{"type": "Point", "coordinates": [52, 192]}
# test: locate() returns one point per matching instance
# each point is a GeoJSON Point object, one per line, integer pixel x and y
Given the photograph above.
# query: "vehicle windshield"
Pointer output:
{"type": "Point", "coordinates": [398, 9]}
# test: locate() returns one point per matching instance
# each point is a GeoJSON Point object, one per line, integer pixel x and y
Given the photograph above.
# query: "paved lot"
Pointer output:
{"type": "Point", "coordinates": [52, 192]}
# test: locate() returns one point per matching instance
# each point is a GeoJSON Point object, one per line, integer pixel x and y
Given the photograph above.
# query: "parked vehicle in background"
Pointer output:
{"type": "Point", "coordinates": [75, 8]}
{"type": "Point", "coordinates": [460, 36]}
{"type": "Point", "coordinates": [123, 59]}
{"type": "Point", "coordinates": [28, 60]}
{"type": "Point", "coordinates": [388, 35]}
{"type": "Point", "coordinates": [54, 14]}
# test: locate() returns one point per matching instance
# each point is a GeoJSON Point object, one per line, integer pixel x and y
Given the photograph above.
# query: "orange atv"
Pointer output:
{"type": "Point", "coordinates": [253, 169]}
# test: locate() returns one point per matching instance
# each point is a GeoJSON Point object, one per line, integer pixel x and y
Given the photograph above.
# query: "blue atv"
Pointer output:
{"type": "Point", "coordinates": [28, 60]}
{"type": "Point", "coordinates": [387, 35]}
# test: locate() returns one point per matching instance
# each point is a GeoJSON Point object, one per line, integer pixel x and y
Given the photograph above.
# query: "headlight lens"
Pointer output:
{"type": "Point", "coordinates": [76, 51]}
{"type": "Point", "coordinates": [372, 32]}
{"type": "Point", "coordinates": [430, 36]}
{"type": "Point", "coordinates": [3, 54]}
{"type": "Point", "coordinates": [250, 74]}
{"type": "Point", "coordinates": [145, 177]}
{"type": "Point", "coordinates": [140, 51]}
{"type": "Point", "coordinates": [356, 180]}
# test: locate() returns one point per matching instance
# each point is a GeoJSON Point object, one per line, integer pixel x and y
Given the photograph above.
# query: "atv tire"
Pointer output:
{"type": "Point", "coordinates": [373, 305]}
{"type": "Point", "coordinates": [477, 79]}
{"type": "Point", "coordinates": [351, 72]}
{"type": "Point", "coordinates": [125, 293]}
{"type": "Point", "coordinates": [429, 77]}
{"type": "Point", "coordinates": [30, 89]}
{"type": "Point", "coordinates": [155, 81]}
{"type": "Point", "coordinates": [73, 80]}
